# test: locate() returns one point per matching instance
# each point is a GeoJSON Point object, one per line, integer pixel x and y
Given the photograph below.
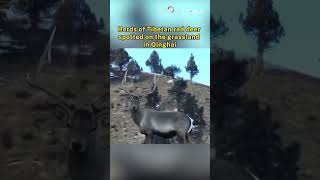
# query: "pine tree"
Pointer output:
{"type": "Point", "coordinates": [191, 67]}
{"type": "Point", "coordinates": [133, 68]}
{"type": "Point", "coordinates": [101, 24]}
{"type": "Point", "coordinates": [178, 89]}
{"type": "Point", "coordinates": [171, 71]}
{"type": "Point", "coordinates": [262, 21]}
{"type": "Point", "coordinates": [217, 28]}
{"type": "Point", "coordinates": [154, 63]}
{"type": "Point", "coordinates": [119, 57]}
{"type": "Point", "coordinates": [153, 99]}
{"type": "Point", "coordinates": [188, 104]}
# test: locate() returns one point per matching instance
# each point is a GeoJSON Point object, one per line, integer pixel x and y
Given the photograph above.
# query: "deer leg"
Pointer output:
{"type": "Point", "coordinates": [148, 139]}
{"type": "Point", "coordinates": [152, 139]}
{"type": "Point", "coordinates": [187, 139]}
{"type": "Point", "coordinates": [183, 137]}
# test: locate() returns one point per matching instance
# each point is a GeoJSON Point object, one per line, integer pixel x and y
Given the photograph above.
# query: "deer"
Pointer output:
{"type": "Point", "coordinates": [85, 158]}
{"type": "Point", "coordinates": [152, 122]}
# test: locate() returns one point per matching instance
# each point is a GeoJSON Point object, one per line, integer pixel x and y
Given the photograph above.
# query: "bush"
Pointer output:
{"type": "Point", "coordinates": [153, 99]}
{"type": "Point", "coordinates": [171, 71]}
{"type": "Point", "coordinates": [178, 89]}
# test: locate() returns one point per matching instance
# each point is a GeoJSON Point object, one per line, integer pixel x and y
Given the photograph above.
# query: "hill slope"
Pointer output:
{"type": "Point", "coordinates": [295, 101]}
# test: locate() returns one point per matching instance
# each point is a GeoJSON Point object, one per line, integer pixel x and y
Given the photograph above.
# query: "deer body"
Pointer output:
{"type": "Point", "coordinates": [163, 122]}
{"type": "Point", "coordinates": [152, 122]}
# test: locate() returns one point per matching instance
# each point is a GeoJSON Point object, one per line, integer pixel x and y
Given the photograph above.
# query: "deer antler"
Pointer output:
{"type": "Point", "coordinates": [46, 55]}
{"type": "Point", "coordinates": [121, 85]}
{"type": "Point", "coordinates": [155, 81]}
{"type": "Point", "coordinates": [61, 100]}
{"type": "Point", "coordinates": [124, 77]}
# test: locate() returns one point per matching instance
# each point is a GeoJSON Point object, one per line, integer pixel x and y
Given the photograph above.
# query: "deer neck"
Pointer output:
{"type": "Point", "coordinates": [136, 116]}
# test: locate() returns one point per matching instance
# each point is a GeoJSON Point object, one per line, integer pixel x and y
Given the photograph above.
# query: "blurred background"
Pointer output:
{"type": "Point", "coordinates": [139, 162]}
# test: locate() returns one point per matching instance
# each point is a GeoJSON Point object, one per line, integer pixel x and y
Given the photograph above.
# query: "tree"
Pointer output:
{"type": "Point", "coordinates": [262, 21]}
{"type": "Point", "coordinates": [178, 89]}
{"type": "Point", "coordinates": [21, 23]}
{"type": "Point", "coordinates": [133, 68]}
{"type": "Point", "coordinates": [153, 99]}
{"type": "Point", "coordinates": [101, 24]}
{"type": "Point", "coordinates": [188, 104]}
{"type": "Point", "coordinates": [192, 68]}
{"type": "Point", "coordinates": [171, 71]}
{"type": "Point", "coordinates": [75, 19]}
{"type": "Point", "coordinates": [120, 57]}
{"type": "Point", "coordinates": [85, 20]}
{"type": "Point", "coordinates": [154, 62]}
{"type": "Point", "coordinates": [217, 28]}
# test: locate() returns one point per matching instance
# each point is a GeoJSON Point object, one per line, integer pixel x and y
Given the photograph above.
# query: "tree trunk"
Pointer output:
{"type": "Point", "coordinates": [260, 52]}
{"type": "Point", "coordinates": [259, 62]}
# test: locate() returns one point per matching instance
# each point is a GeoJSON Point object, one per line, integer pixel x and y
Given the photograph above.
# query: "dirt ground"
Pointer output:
{"type": "Point", "coordinates": [125, 131]}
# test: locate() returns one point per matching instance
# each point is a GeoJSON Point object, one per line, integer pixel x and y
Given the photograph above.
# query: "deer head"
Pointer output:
{"type": "Point", "coordinates": [82, 122]}
{"type": "Point", "coordinates": [135, 99]}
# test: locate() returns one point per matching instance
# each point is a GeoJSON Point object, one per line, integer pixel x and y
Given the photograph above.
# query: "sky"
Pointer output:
{"type": "Point", "coordinates": [298, 50]}
{"type": "Point", "coordinates": [179, 57]}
